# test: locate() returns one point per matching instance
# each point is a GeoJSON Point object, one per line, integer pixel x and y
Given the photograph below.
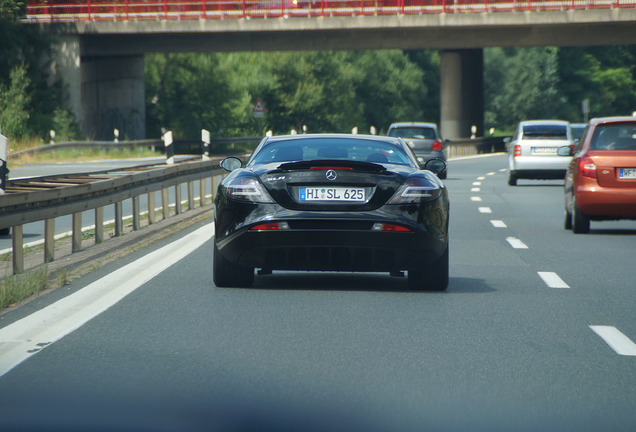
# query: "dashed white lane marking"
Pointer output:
{"type": "Point", "coordinates": [552, 280]}
{"type": "Point", "coordinates": [503, 170]}
{"type": "Point", "coordinates": [475, 198]}
{"type": "Point", "coordinates": [477, 183]}
{"type": "Point", "coordinates": [516, 243]}
{"type": "Point", "coordinates": [475, 189]}
{"type": "Point", "coordinates": [498, 223]}
{"type": "Point", "coordinates": [23, 338]}
{"type": "Point", "coordinates": [615, 339]}
{"type": "Point", "coordinates": [491, 173]}
{"type": "Point", "coordinates": [485, 210]}
{"type": "Point", "coordinates": [481, 178]}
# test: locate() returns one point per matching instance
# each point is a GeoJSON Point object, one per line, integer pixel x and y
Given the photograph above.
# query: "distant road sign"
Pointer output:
{"type": "Point", "coordinates": [259, 109]}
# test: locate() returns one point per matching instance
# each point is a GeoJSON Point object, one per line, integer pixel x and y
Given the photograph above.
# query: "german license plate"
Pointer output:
{"type": "Point", "coordinates": [338, 194]}
{"type": "Point", "coordinates": [627, 173]}
{"type": "Point", "coordinates": [544, 150]}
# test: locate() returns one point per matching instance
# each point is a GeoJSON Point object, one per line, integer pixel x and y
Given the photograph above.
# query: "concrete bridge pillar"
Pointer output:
{"type": "Point", "coordinates": [461, 93]}
{"type": "Point", "coordinates": [105, 92]}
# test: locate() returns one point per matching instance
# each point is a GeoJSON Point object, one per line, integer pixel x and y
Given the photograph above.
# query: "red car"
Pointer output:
{"type": "Point", "coordinates": [600, 183]}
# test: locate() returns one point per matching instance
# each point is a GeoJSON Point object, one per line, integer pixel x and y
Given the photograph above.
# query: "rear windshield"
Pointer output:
{"type": "Point", "coordinates": [413, 132]}
{"type": "Point", "coordinates": [331, 149]}
{"type": "Point", "coordinates": [555, 132]}
{"type": "Point", "coordinates": [615, 136]}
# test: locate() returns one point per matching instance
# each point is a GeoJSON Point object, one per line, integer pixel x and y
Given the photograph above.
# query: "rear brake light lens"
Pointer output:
{"type": "Point", "coordinates": [517, 150]}
{"type": "Point", "coordinates": [587, 168]}
{"type": "Point", "coordinates": [270, 226]}
{"type": "Point", "coordinates": [415, 190]}
{"type": "Point", "coordinates": [437, 146]}
{"type": "Point", "coordinates": [391, 227]}
{"type": "Point", "coordinates": [247, 188]}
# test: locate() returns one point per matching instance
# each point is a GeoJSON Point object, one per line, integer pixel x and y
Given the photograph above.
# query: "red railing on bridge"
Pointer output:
{"type": "Point", "coordinates": [139, 10]}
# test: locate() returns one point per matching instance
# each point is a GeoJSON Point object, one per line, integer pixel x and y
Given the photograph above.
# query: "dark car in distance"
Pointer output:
{"type": "Point", "coordinates": [332, 202]}
{"type": "Point", "coordinates": [600, 183]}
{"type": "Point", "coordinates": [422, 138]}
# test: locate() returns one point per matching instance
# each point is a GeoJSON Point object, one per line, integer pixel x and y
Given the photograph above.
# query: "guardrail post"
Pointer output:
{"type": "Point", "coordinates": [151, 208]}
{"type": "Point", "coordinates": [135, 215]}
{"type": "Point", "coordinates": [119, 225]}
{"type": "Point", "coordinates": [165, 202]}
{"type": "Point", "coordinates": [18, 249]}
{"type": "Point", "coordinates": [99, 225]}
{"type": "Point", "coordinates": [177, 199]}
{"type": "Point", "coordinates": [202, 192]}
{"type": "Point", "coordinates": [49, 240]}
{"type": "Point", "coordinates": [190, 195]}
{"type": "Point", "coordinates": [77, 232]}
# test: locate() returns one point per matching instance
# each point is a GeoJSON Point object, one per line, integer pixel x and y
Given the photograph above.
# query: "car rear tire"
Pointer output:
{"type": "Point", "coordinates": [227, 274]}
{"type": "Point", "coordinates": [512, 179]}
{"type": "Point", "coordinates": [580, 222]}
{"type": "Point", "coordinates": [567, 223]}
{"type": "Point", "coordinates": [433, 277]}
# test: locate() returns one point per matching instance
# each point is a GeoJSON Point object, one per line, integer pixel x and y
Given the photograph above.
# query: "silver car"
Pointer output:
{"type": "Point", "coordinates": [422, 138]}
{"type": "Point", "coordinates": [532, 151]}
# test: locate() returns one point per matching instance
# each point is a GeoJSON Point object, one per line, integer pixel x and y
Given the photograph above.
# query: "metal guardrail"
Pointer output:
{"type": "Point", "coordinates": [45, 198]}
{"type": "Point", "coordinates": [138, 10]}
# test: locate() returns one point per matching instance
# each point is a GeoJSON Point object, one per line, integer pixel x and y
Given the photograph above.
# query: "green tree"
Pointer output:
{"type": "Point", "coordinates": [14, 104]}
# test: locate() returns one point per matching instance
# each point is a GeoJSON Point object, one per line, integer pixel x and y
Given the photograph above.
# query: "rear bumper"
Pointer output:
{"type": "Point", "coordinates": [539, 167]}
{"type": "Point", "coordinates": [331, 250]}
{"type": "Point", "coordinates": [605, 203]}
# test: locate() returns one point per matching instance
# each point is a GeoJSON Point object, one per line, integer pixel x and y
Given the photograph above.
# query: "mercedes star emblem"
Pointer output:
{"type": "Point", "coordinates": [331, 175]}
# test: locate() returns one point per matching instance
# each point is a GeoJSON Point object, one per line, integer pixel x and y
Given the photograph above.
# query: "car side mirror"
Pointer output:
{"type": "Point", "coordinates": [436, 166]}
{"type": "Point", "coordinates": [231, 163]}
{"type": "Point", "coordinates": [565, 151]}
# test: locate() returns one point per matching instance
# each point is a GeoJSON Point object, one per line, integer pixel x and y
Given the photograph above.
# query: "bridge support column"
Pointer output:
{"type": "Point", "coordinates": [113, 97]}
{"type": "Point", "coordinates": [105, 93]}
{"type": "Point", "coordinates": [461, 93]}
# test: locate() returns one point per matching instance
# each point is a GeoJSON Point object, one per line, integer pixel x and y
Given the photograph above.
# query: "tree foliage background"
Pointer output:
{"type": "Point", "coordinates": [30, 103]}
{"type": "Point", "coordinates": [324, 91]}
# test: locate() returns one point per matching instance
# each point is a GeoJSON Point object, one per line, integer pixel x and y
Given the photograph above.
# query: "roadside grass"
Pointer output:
{"type": "Point", "coordinates": [14, 289]}
{"type": "Point", "coordinates": [72, 155]}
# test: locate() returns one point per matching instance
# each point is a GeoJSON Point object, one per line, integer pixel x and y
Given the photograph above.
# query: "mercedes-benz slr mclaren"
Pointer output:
{"type": "Point", "coordinates": [332, 202]}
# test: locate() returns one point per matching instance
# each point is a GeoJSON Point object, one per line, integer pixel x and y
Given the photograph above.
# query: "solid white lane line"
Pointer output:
{"type": "Point", "coordinates": [485, 210]}
{"type": "Point", "coordinates": [615, 339]}
{"type": "Point", "coordinates": [498, 223]}
{"type": "Point", "coordinates": [23, 338]}
{"type": "Point", "coordinates": [475, 189]}
{"type": "Point", "coordinates": [516, 243]}
{"type": "Point", "coordinates": [475, 198]}
{"type": "Point", "coordinates": [552, 280]}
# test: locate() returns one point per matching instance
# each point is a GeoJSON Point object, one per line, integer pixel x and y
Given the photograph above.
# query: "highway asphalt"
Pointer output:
{"type": "Point", "coordinates": [535, 332]}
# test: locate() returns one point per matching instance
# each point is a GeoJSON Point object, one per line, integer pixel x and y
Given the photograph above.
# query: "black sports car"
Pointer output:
{"type": "Point", "coordinates": [332, 202]}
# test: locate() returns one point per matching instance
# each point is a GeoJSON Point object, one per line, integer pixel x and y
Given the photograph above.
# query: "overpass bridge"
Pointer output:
{"type": "Point", "coordinates": [101, 43]}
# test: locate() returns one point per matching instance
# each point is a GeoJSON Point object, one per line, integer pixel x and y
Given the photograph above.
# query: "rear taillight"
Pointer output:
{"type": "Point", "coordinates": [517, 150]}
{"type": "Point", "coordinates": [390, 227]}
{"type": "Point", "coordinates": [587, 168]}
{"type": "Point", "coordinates": [437, 146]}
{"type": "Point", "coordinates": [270, 226]}
{"type": "Point", "coordinates": [414, 190]}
